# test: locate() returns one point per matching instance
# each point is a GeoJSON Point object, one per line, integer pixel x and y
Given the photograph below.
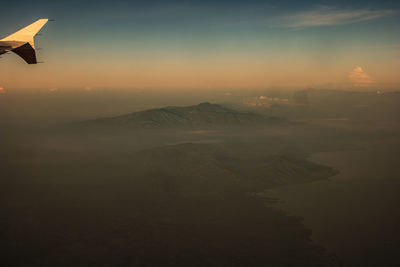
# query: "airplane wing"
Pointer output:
{"type": "Point", "coordinates": [22, 41]}
{"type": "Point", "coordinates": [26, 34]}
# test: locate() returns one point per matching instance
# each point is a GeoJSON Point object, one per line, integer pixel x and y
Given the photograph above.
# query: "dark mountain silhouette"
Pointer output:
{"type": "Point", "coordinates": [203, 115]}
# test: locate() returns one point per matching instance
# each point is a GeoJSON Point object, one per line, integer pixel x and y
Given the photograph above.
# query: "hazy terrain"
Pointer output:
{"type": "Point", "coordinates": [141, 180]}
{"type": "Point", "coordinates": [366, 198]}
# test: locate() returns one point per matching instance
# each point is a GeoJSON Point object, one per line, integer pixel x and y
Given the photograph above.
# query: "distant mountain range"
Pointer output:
{"type": "Point", "coordinates": [203, 115]}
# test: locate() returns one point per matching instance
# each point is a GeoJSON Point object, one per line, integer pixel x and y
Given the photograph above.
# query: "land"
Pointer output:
{"type": "Point", "coordinates": [174, 186]}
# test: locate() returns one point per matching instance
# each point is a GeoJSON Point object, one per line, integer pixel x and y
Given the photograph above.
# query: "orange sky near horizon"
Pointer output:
{"type": "Point", "coordinates": [198, 73]}
{"type": "Point", "coordinates": [212, 47]}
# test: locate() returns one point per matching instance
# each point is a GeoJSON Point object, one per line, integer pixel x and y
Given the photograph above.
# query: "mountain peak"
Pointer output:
{"type": "Point", "coordinates": [203, 115]}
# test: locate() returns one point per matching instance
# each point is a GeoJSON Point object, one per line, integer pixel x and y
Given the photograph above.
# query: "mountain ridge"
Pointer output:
{"type": "Point", "coordinates": [202, 115]}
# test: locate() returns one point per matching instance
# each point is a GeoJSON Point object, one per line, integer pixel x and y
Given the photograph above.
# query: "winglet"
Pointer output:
{"type": "Point", "coordinates": [27, 53]}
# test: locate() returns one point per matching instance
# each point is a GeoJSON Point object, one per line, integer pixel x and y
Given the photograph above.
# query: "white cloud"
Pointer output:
{"type": "Point", "coordinates": [329, 16]}
{"type": "Point", "coordinates": [360, 78]}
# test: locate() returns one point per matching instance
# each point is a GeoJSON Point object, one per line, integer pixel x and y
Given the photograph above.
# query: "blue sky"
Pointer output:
{"type": "Point", "coordinates": [205, 43]}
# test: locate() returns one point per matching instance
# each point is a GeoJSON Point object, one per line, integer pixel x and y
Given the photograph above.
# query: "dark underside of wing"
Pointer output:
{"type": "Point", "coordinates": [27, 52]}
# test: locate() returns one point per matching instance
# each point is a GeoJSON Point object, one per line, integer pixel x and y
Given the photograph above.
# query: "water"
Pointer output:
{"type": "Point", "coordinates": [355, 214]}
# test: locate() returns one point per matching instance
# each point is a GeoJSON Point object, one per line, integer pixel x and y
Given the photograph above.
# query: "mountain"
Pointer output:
{"type": "Point", "coordinates": [202, 115]}
{"type": "Point", "coordinates": [220, 168]}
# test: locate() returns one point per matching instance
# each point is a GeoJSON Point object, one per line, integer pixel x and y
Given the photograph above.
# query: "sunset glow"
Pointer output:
{"type": "Point", "coordinates": [209, 45]}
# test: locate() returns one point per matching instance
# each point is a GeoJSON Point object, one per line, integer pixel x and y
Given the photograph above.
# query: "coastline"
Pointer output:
{"type": "Point", "coordinates": [344, 212]}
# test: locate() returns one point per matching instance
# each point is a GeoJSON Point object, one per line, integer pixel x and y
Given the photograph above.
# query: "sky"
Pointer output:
{"type": "Point", "coordinates": [206, 45]}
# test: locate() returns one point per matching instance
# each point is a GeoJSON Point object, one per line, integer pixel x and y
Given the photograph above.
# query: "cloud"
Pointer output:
{"type": "Point", "coordinates": [360, 78]}
{"type": "Point", "coordinates": [2, 90]}
{"type": "Point", "coordinates": [330, 16]}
